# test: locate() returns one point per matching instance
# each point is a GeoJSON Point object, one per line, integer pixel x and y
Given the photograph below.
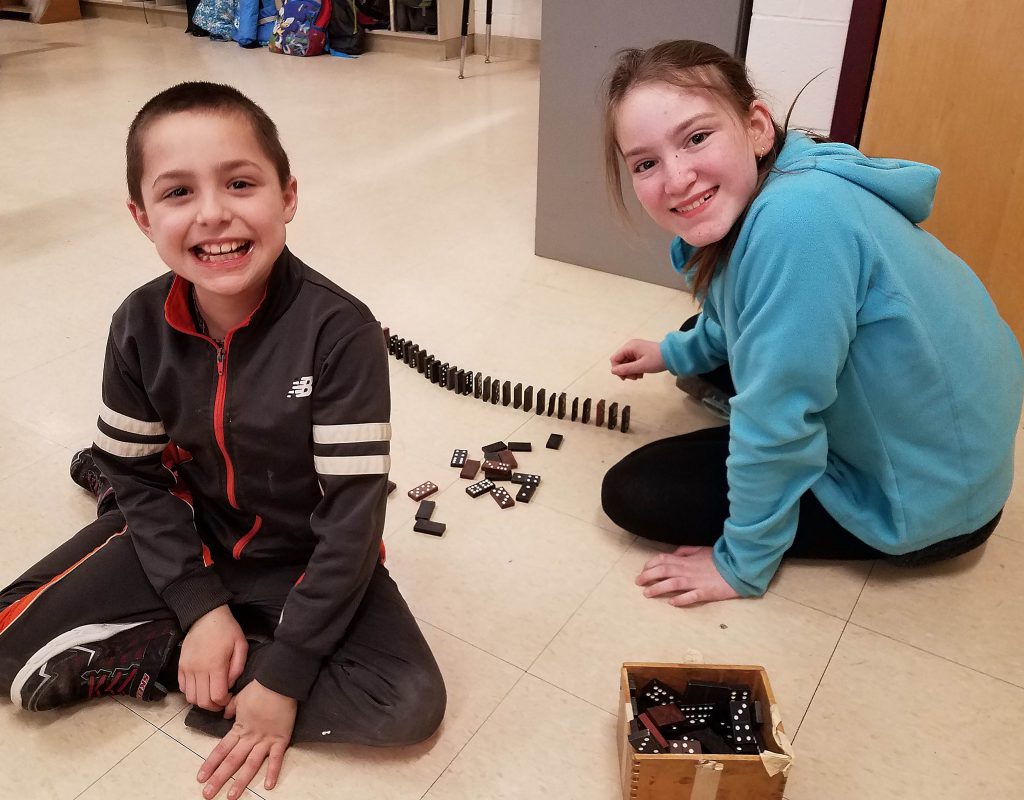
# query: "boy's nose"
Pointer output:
{"type": "Point", "coordinates": [211, 210]}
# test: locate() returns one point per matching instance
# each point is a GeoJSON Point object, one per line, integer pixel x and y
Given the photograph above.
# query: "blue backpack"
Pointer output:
{"type": "Point", "coordinates": [301, 28]}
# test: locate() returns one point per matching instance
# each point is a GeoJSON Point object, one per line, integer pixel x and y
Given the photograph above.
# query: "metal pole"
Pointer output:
{"type": "Point", "coordinates": [487, 60]}
{"type": "Point", "coordinates": [465, 33]}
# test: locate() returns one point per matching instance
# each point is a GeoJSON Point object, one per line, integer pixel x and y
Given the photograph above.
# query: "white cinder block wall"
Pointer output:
{"type": "Point", "coordinates": [790, 42]}
{"type": "Point", "coordinates": [519, 19]}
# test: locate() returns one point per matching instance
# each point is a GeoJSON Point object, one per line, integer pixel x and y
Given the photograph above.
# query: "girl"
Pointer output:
{"type": "Point", "coordinates": [876, 389]}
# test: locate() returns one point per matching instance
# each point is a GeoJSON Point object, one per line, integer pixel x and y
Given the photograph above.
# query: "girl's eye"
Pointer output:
{"type": "Point", "coordinates": [240, 184]}
{"type": "Point", "coordinates": [643, 166]}
{"type": "Point", "coordinates": [697, 138]}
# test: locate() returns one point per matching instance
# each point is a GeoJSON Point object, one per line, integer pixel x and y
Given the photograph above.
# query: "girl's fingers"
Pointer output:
{"type": "Point", "coordinates": [687, 598]}
{"type": "Point", "coordinates": [686, 550]}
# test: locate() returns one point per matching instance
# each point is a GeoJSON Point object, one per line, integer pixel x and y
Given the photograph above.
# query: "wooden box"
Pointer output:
{"type": "Point", "coordinates": [708, 776]}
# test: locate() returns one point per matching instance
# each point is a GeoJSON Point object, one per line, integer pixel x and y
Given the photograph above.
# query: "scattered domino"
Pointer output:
{"type": "Point", "coordinates": [459, 458]}
{"type": "Point", "coordinates": [520, 447]}
{"type": "Point", "coordinates": [507, 457]}
{"type": "Point", "coordinates": [525, 493]}
{"type": "Point", "coordinates": [426, 526]}
{"type": "Point", "coordinates": [470, 469]}
{"type": "Point", "coordinates": [525, 478]}
{"type": "Point", "coordinates": [423, 490]}
{"type": "Point", "coordinates": [554, 441]}
{"type": "Point", "coordinates": [497, 470]}
{"type": "Point", "coordinates": [479, 488]}
{"type": "Point", "coordinates": [426, 509]}
{"type": "Point", "coordinates": [494, 447]}
{"type": "Point", "coordinates": [502, 497]}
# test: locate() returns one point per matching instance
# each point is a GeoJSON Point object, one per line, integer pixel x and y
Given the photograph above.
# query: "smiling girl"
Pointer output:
{"type": "Point", "coordinates": [875, 390]}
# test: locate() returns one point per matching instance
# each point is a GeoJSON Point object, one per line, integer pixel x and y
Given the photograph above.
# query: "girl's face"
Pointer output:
{"type": "Point", "coordinates": [691, 158]}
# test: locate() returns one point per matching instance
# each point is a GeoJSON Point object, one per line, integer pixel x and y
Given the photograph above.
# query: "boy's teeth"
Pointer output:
{"type": "Point", "coordinates": [208, 251]}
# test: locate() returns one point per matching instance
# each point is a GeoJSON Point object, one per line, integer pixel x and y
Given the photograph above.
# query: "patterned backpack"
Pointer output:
{"type": "Point", "coordinates": [301, 28]}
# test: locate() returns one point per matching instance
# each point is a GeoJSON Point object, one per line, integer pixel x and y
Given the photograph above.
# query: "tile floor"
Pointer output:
{"type": "Point", "coordinates": [417, 193]}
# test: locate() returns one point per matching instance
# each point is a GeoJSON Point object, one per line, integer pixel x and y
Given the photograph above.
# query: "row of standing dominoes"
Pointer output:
{"type": "Point", "coordinates": [492, 390]}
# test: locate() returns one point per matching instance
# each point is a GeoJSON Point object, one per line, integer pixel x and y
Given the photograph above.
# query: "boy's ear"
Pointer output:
{"type": "Point", "coordinates": [141, 218]}
{"type": "Point", "coordinates": [291, 199]}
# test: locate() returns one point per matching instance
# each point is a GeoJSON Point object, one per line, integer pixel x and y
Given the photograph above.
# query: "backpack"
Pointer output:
{"type": "Point", "coordinates": [343, 31]}
{"type": "Point", "coordinates": [301, 28]}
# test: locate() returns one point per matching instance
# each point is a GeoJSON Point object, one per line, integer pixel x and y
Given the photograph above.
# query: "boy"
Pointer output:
{"type": "Point", "coordinates": [244, 430]}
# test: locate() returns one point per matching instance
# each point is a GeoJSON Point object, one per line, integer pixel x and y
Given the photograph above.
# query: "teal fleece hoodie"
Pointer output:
{"type": "Point", "coordinates": [870, 364]}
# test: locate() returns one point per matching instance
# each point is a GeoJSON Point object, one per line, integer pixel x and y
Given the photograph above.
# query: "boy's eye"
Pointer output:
{"type": "Point", "coordinates": [643, 166]}
{"type": "Point", "coordinates": [697, 138]}
{"type": "Point", "coordinates": [179, 191]}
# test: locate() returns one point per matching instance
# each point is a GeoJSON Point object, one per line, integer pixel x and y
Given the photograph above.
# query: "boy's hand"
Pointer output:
{"type": "Point", "coordinates": [636, 357]}
{"type": "Point", "coordinates": [263, 730]}
{"type": "Point", "coordinates": [212, 657]}
{"type": "Point", "coordinates": [687, 572]}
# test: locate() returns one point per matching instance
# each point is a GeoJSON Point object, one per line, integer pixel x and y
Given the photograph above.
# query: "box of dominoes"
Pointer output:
{"type": "Point", "coordinates": [700, 732]}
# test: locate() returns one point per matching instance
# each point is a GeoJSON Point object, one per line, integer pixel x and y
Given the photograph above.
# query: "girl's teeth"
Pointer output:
{"type": "Point", "coordinates": [696, 203]}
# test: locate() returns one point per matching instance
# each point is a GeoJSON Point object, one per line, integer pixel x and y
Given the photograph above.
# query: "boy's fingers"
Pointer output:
{"type": "Point", "coordinates": [181, 681]}
{"type": "Point", "coordinates": [237, 664]}
{"type": "Point", "coordinates": [228, 767]}
{"type": "Point", "coordinates": [190, 688]}
{"type": "Point", "coordinates": [274, 766]}
{"type": "Point", "coordinates": [216, 756]}
{"type": "Point", "coordinates": [229, 711]}
{"type": "Point", "coordinates": [219, 689]}
{"type": "Point", "coordinates": [248, 770]}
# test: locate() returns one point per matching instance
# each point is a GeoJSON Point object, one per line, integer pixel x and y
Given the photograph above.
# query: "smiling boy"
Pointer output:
{"type": "Point", "coordinates": [244, 429]}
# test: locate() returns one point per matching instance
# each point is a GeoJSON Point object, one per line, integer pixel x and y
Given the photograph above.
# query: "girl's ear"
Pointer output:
{"type": "Point", "coordinates": [760, 128]}
{"type": "Point", "coordinates": [141, 218]}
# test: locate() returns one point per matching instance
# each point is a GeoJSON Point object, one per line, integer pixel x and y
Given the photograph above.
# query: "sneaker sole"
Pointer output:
{"type": "Point", "coordinates": [76, 637]}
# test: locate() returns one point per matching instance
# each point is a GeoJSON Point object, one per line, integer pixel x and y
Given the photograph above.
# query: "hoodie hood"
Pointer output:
{"type": "Point", "coordinates": [907, 186]}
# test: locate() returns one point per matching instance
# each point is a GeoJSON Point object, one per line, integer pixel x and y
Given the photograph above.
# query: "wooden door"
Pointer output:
{"type": "Point", "coordinates": [948, 90]}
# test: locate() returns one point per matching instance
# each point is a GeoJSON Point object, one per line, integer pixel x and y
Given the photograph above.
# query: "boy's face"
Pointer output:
{"type": "Point", "coordinates": [214, 206]}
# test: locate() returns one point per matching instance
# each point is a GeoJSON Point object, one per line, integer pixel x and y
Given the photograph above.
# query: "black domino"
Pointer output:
{"type": "Point", "coordinates": [528, 398]}
{"type": "Point", "coordinates": [525, 493]}
{"type": "Point", "coordinates": [480, 487]}
{"type": "Point", "coordinates": [554, 441]}
{"type": "Point", "coordinates": [517, 396]}
{"type": "Point", "coordinates": [540, 402]}
{"type": "Point", "coordinates": [525, 478]}
{"type": "Point", "coordinates": [459, 458]}
{"type": "Point", "coordinates": [520, 447]}
{"type": "Point", "coordinates": [426, 526]}
{"type": "Point", "coordinates": [426, 509]}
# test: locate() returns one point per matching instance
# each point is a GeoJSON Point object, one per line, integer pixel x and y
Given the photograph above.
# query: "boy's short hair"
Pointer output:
{"type": "Point", "coordinates": [201, 97]}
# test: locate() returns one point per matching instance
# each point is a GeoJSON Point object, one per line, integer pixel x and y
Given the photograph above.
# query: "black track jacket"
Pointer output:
{"type": "Point", "coordinates": [273, 448]}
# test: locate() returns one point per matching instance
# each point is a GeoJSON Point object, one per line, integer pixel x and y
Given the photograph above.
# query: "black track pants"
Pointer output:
{"type": "Point", "coordinates": [382, 686]}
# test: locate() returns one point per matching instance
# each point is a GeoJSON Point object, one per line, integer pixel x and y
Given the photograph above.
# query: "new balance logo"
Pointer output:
{"type": "Point", "coordinates": [303, 387]}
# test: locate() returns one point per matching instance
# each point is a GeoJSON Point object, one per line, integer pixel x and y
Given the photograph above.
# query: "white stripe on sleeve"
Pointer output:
{"type": "Point", "coordinates": [129, 424]}
{"type": "Point", "coordinates": [350, 434]}
{"type": "Point", "coordinates": [126, 449]}
{"type": "Point", "coordinates": [352, 465]}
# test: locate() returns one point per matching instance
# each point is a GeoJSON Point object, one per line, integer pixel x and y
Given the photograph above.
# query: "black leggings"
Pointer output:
{"type": "Point", "coordinates": [676, 491]}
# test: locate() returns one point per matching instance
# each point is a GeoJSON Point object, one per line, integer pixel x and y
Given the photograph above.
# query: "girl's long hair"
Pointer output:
{"type": "Point", "coordinates": [688, 65]}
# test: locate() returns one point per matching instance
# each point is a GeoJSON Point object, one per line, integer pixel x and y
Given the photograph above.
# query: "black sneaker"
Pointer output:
{"type": "Point", "coordinates": [96, 661]}
{"type": "Point", "coordinates": [86, 474]}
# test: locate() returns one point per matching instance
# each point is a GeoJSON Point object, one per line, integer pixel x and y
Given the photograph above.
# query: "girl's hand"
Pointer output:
{"type": "Point", "coordinates": [689, 570]}
{"type": "Point", "coordinates": [263, 730]}
{"type": "Point", "coordinates": [636, 357]}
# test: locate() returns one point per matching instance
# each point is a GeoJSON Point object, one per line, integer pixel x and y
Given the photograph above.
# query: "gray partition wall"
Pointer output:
{"type": "Point", "coordinates": [576, 222]}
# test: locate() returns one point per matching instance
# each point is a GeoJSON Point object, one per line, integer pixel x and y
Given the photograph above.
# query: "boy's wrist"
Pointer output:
{"type": "Point", "coordinates": [288, 670]}
{"type": "Point", "coordinates": [195, 596]}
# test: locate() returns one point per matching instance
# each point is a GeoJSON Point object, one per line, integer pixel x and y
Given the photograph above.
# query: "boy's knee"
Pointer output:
{"type": "Point", "coordinates": [417, 709]}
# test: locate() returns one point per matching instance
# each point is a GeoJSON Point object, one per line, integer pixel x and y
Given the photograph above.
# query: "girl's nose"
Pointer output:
{"type": "Point", "coordinates": [680, 175]}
